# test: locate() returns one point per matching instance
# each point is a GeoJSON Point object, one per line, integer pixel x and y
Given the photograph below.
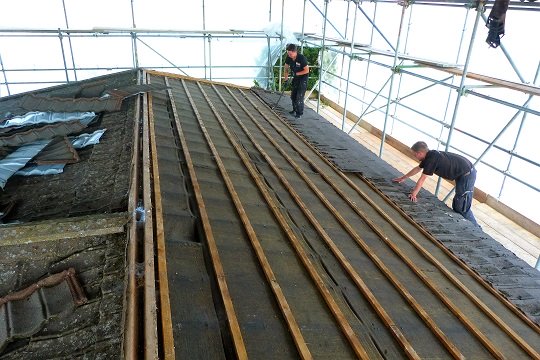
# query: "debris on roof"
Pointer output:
{"type": "Point", "coordinates": [25, 312]}
{"type": "Point", "coordinates": [57, 167]}
{"type": "Point", "coordinates": [59, 151]}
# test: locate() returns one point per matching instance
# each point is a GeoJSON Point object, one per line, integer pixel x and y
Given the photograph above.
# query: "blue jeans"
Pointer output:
{"type": "Point", "coordinates": [299, 87]}
{"type": "Point", "coordinates": [464, 195]}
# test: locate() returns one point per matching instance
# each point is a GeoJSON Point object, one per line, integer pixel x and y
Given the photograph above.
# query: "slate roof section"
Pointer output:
{"type": "Point", "coordinates": [34, 102]}
{"type": "Point", "coordinates": [512, 276]}
{"type": "Point", "coordinates": [24, 313]}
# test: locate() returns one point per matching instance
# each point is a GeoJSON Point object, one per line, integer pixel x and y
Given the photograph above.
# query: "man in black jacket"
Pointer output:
{"type": "Point", "coordinates": [297, 63]}
{"type": "Point", "coordinates": [449, 166]}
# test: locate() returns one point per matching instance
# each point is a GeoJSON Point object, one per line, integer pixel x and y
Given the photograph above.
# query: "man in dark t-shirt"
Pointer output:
{"type": "Point", "coordinates": [297, 63]}
{"type": "Point", "coordinates": [449, 166]}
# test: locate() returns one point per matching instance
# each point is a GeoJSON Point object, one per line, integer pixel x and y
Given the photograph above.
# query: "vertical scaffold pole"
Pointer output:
{"type": "Point", "coordinates": [461, 89]}
{"type": "Point", "coordinates": [281, 43]}
{"type": "Point", "coordinates": [134, 53]}
{"type": "Point", "coordinates": [349, 71]}
{"type": "Point", "coordinates": [322, 56]}
{"type": "Point", "coordinates": [69, 40]}
{"type": "Point", "coordinates": [383, 137]}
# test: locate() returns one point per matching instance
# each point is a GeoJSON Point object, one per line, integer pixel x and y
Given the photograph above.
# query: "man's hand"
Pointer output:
{"type": "Point", "coordinates": [398, 179]}
{"type": "Point", "coordinates": [412, 196]}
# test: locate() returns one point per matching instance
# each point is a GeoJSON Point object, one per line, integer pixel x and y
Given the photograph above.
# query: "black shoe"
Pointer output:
{"type": "Point", "coordinates": [292, 112]}
{"type": "Point", "coordinates": [298, 116]}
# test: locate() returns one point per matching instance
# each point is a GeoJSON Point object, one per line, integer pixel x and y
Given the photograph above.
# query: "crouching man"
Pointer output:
{"type": "Point", "coordinates": [449, 166]}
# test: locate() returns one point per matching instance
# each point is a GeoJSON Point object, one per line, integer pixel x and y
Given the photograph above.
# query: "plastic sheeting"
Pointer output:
{"type": "Point", "coordinates": [41, 170]}
{"type": "Point", "coordinates": [33, 118]}
{"type": "Point", "coordinates": [18, 159]}
{"type": "Point", "coordinates": [276, 49]}
{"type": "Point", "coordinates": [84, 140]}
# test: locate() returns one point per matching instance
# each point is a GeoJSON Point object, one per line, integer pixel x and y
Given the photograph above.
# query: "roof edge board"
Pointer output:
{"type": "Point", "coordinates": [179, 76]}
{"type": "Point", "coordinates": [67, 228]}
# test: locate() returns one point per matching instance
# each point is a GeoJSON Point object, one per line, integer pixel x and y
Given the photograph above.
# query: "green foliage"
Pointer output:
{"type": "Point", "coordinates": [312, 56]}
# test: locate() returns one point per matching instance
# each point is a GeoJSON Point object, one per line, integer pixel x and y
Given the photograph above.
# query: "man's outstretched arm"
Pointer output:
{"type": "Point", "coordinates": [413, 172]}
{"type": "Point", "coordinates": [417, 188]}
{"type": "Point", "coordinates": [419, 183]}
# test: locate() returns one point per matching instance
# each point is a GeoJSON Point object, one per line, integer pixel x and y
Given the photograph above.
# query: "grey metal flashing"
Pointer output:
{"type": "Point", "coordinates": [34, 170]}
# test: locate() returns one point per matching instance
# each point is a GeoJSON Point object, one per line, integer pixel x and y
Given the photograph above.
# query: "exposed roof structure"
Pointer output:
{"type": "Point", "coordinates": [70, 223]}
{"type": "Point", "coordinates": [256, 240]}
{"type": "Point", "coordinates": [160, 215]}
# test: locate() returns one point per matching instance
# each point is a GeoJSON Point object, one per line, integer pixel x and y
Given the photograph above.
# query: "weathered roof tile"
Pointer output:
{"type": "Point", "coordinates": [45, 103]}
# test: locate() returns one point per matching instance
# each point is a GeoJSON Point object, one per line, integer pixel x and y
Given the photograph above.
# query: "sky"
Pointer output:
{"type": "Point", "coordinates": [428, 32]}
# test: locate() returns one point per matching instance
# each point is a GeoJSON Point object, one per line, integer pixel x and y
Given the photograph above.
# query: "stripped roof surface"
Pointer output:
{"type": "Point", "coordinates": [63, 221]}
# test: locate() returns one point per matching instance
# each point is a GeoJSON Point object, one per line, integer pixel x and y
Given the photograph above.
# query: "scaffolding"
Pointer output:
{"type": "Point", "coordinates": [376, 79]}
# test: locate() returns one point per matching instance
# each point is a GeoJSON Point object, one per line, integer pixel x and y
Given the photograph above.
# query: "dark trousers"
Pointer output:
{"type": "Point", "coordinates": [299, 87]}
{"type": "Point", "coordinates": [464, 195]}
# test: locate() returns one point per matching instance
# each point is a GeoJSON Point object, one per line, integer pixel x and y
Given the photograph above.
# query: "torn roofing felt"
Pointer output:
{"type": "Point", "coordinates": [24, 313]}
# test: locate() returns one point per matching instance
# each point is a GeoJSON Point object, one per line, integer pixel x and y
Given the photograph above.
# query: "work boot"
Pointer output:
{"type": "Point", "coordinates": [298, 116]}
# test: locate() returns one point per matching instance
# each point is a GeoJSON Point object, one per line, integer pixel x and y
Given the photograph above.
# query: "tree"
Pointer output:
{"type": "Point", "coordinates": [312, 56]}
